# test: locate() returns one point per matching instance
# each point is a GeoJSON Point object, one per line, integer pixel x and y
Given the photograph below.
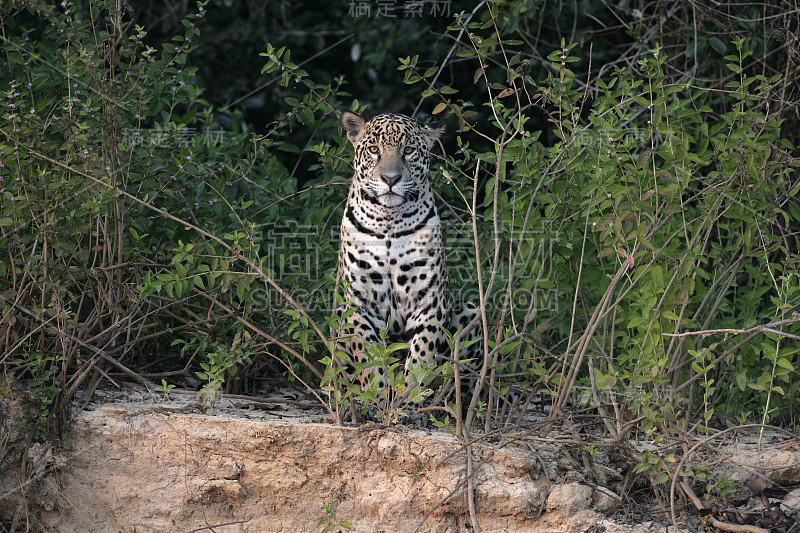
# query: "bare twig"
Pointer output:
{"type": "Point", "coordinates": [55, 330]}
{"type": "Point", "coordinates": [764, 328]}
{"type": "Point", "coordinates": [470, 480]}
{"type": "Point", "coordinates": [719, 524]}
{"type": "Point", "coordinates": [680, 466]}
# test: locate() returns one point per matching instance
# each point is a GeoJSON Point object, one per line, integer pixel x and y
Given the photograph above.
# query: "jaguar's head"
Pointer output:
{"type": "Point", "coordinates": [391, 156]}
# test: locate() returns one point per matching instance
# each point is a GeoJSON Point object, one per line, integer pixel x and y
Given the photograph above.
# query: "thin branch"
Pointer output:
{"type": "Point", "coordinates": [764, 328]}
{"type": "Point", "coordinates": [53, 329]}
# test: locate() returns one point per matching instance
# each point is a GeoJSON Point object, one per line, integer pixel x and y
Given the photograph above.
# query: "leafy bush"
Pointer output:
{"type": "Point", "coordinates": [128, 215]}
{"type": "Point", "coordinates": [651, 216]}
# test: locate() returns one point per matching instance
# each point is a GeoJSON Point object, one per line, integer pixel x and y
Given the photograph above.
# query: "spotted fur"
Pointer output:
{"type": "Point", "coordinates": [391, 256]}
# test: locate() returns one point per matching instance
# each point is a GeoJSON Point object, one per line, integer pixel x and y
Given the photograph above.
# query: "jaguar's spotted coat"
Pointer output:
{"type": "Point", "coordinates": [391, 256]}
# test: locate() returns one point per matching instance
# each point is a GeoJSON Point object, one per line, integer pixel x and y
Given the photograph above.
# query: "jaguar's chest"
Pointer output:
{"type": "Point", "coordinates": [392, 262]}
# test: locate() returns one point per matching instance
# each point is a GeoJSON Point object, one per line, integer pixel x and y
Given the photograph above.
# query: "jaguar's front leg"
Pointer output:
{"type": "Point", "coordinates": [354, 343]}
{"type": "Point", "coordinates": [426, 339]}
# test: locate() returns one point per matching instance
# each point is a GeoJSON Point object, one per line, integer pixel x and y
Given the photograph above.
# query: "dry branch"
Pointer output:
{"type": "Point", "coordinates": [764, 328]}
{"type": "Point", "coordinates": [719, 524]}
{"type": "Point", "coordinates": [71, 336]}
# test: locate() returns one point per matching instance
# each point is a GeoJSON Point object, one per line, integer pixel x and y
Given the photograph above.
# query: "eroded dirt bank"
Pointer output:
{"type": "Point", "coordinates": [171, 471]}
{"type": "Point", "coordinates": [144, 469]}
{"type": "Point", "coordinates": [144, 466]}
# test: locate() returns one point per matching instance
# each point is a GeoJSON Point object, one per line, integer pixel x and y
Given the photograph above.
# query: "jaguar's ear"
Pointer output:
{"type": "Point", "coordinates": [353, 125]}
{"type": "Point", "coordinates": [434, 130]}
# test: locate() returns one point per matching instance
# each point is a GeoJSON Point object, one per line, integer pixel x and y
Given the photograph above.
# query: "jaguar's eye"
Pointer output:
{"type": "Point", "coordinates": [373, 149]}
{"type": "Point", "coordinates": [408, 150]}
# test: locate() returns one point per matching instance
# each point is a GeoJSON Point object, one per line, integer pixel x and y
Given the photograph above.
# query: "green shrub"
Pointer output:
{"type": "Point", "coordinates": [131, 220]}
{"type": "Point", "coordinates": [652, 215]}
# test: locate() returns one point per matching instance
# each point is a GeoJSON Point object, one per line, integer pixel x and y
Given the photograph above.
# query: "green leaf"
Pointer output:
{"type": "Point", "coordinates": [669, 315]}
{"type": "Point", "coordinates": [657, 275]}
{"type": "Point", "coordinates": [306, 116]}
{"type": "Point", "coordinates": [741, 380]}
{"type": "Point", "coordinates": [635, 322]}
{"type": "Point", "coordinates": [395, 347]}
{"type": "Point", "coordinates": [441, 106]}
{"type": "Point", "coordinates": [717, 45]}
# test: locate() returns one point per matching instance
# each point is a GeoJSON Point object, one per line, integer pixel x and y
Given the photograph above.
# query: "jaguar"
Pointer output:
{"type": "Point", "coordinates": [391, 259]}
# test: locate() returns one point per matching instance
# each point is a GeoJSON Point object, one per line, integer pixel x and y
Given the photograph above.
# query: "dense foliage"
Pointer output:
{"type": "Point", "coordinates": [170, 215]}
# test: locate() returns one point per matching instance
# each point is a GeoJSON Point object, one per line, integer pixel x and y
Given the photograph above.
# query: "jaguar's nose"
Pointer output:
{"type": "Point", "coordinates": [391, 179]}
